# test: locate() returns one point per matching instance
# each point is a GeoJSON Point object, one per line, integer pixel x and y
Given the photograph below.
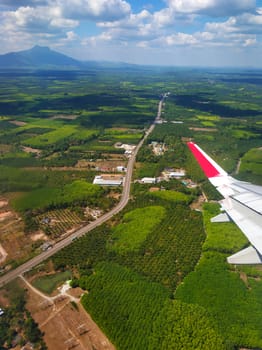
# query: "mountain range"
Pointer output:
{"type": "Point", "coordinates": [37, 57]}
{"type": "Point", "coordinates": [42, 57]}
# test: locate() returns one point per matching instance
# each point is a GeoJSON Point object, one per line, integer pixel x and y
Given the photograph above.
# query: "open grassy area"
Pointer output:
{"type": "Point", "coordinates": [47, 284]}
{"type": "Point", "coordinates": [173, 196]}
{"type": "Point", "coordinates": [51, 137]}
{"type": "Point", "coordinates": [136, 226]}
{"type": "Point", "coordinates": [45, 197]}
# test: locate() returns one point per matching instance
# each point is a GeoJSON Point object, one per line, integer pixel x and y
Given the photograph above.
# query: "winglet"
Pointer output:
{"type": "Point", "coordinates": [209, 166]}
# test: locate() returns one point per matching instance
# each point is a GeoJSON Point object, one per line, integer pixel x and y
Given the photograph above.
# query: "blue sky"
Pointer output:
{"type": "Point", "coordinates": [159, 32]}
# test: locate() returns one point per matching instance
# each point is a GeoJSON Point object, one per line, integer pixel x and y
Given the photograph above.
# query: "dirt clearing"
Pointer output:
{"type": "Point", "coordinates": [66, 324]}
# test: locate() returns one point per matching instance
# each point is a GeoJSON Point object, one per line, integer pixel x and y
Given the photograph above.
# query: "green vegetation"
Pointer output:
{"type": "Point", "coordinates": [135, 227]}
{"type": "Point", "coordinates": [222, 293]}
{"type": "Point", "coordinates": [223, 237]}
{"type": "Point", "coordinates": [185, 326]}
{"type": "Point", "coordinates": [77, 191]}
{"type": "Point", "coordinates": [173, 288]}
{"type": "Point", "coordinates": [31, 179]}
{"type": "Point", "coordinates": [172, 196]}
{"type": "Point", "coordinates": [56, 222]}
{"type": "Point", "coordinates": [124, 304]}
{"type": "Point", "coordinates": [251, 165]}
{"type": "Point", "coordinates": [17, 324]}
{"type": "Point", "coordinates": [48, 283]}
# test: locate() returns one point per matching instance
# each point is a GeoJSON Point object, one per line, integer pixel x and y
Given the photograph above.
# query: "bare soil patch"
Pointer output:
{"type": "Point", "coordinates": [154, 189]}
{"type": "Point", "coordinates": [31, 150]}
{"type": "Point", "coordinates": [244, 278]}
{"type": "Point", "coordinates": [66, 326]}
{"type": "Point", "coordinates": [115, 160]}
{"type": "Point", "coordinates": [197, 205]}
{"type": "Point", "coordinates": [13, 239]}
{"type": "Point", "coordinates": [40, 235]}
{"type": "Point", "coordinates": [204, 129]}
{"type": "Point", "coordinates": [3, 254]}
{"type": "Point", "coordinates": [17, 122]}
{"type": "Point", "coordinates": [64, 116]}
{"type": "Point", "coordinates": [3, 203]}
{"type": "Point", "coordinates": [5, 215]}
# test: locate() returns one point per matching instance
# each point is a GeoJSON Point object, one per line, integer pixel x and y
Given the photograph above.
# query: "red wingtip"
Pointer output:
{"type": "Point", "coordinates": [208, 168]}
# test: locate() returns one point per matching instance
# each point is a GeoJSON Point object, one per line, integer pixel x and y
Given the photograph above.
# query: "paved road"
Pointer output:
{"type": "Point", "coordinates": [65, 242]}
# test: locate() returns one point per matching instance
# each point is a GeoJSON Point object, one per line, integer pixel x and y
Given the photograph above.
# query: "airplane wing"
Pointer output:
{"type": "Point", "coordinates": [242, 204]}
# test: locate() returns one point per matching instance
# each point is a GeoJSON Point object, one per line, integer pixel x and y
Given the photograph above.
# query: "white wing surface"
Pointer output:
{"type": "Point", "coordinates": [242, 203]}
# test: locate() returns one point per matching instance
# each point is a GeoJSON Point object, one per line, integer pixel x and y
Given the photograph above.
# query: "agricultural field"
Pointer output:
{"type": "Point", "coordinates": [135, 227]}
{"type": "Point", "coordinates": [57, 131]}
{"type": "Point", "coordinates": [162, 260]}
{"type": "Point", "coordinates": [251, 165]}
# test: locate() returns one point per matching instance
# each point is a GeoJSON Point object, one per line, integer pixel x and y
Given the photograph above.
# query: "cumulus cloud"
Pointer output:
{"type": "Point", "coordinates": [36, 20]}
{"type": "Point", "coordinates": [214, 8]}
{"type": "Point", "coordinates": [179, 25]}
{"type": "Point", "coordinates": [101, 10]}
{"type": "Point", "coordinates": [19, 3]}
{"type": "Point", "coordinates": [246, 23]}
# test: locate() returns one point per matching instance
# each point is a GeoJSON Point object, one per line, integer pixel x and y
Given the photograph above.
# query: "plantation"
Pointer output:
{"type": "Point", "coordinates": [222, 293]}
{"type": "Point", "coordinates": [111, 290]}
{"type": "Point", "coordinates": [250, 167]}
{"type": "Point", "coordinates": [77, 191]}
{"type": "Point", "coordinates": [154, 280]}
{"type": "Point", "coordinates": [185, 326]}
{"type": "Point", "coordinates": [135, 227]}
{"type": "Point", "coordinates": [57, 222]}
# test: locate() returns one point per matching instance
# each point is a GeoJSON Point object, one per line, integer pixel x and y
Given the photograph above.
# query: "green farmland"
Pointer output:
{"type": "Point", "coordinates": [155, 276]}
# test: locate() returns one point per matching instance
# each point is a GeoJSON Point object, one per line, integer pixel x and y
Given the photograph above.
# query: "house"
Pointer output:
{"type": "Point", "coordinates": [148, 180]}
{"type": "Point", "coordinates": [176, 174]}
{"type": "Point", "coordinates": [108, 180]}
{"type": "Point", "coordinates": [120, 168]}
{"type": "Point", "coordinates": [170, 173]}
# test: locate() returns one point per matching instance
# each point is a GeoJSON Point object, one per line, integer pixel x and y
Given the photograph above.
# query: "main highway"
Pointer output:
{"type": "Point", "coordinates": [28, 265]}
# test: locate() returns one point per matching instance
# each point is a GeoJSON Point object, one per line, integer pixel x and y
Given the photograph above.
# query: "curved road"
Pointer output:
{"type": "Point", "coordinates": [9, 276]}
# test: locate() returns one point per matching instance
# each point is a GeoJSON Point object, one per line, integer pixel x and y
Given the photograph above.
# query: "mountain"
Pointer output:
{"type": "Point", "coordinates": [37, 57]}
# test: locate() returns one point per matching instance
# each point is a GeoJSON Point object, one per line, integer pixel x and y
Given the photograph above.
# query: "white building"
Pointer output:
{"type": "Point", "coordinates": [148, 180]}
{"type": "Point", "coordinates": [176, 174]}
{"type": "Point", "coordinates": [120, 168]}
{"type": "Point", "coordinates": [108, 181]}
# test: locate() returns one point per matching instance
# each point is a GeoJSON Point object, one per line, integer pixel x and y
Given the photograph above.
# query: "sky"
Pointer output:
{"type": "Point", "coordinates": [157, 32]}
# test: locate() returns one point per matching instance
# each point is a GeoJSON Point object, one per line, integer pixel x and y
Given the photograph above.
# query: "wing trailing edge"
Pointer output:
{"type": "Point", "coordinates": [242, 203]}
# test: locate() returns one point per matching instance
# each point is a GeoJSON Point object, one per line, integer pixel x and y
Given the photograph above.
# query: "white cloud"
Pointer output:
{"type": "Point", "coordinates": [246, 24]}
{"type": "Point", "coordinates": [250, 42]}
{"type": "Point", "coordinates": [180, 39]}
{"type": "Point", "coordinates": [19, 3]}
{"type": "Point", "coordinates": [178, 26]}
{"type": "Point", "coordinates": [100, 10]}
{"type": "Point", "coordinates": [214, 8]}
{"type": "Point", "coordinates": [36, 20]}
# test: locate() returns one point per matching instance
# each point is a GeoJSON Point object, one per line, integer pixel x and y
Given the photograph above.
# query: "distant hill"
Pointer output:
{"type": "Point", "coordinates": [42, 57]}
{"type": "Point", "coordinates": [37, 57]}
